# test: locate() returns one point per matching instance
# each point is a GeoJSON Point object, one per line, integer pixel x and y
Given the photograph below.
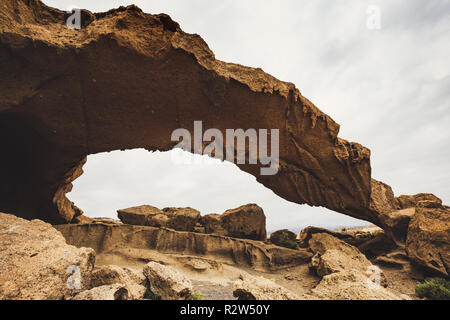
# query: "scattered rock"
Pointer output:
{"type": "Point", "coordinates": [37, 263]}
{"type": "Point", "coordinates": [258, 288]}
{"type": "Point", "coordinates": [134, 281]}
{"type": "Point", "coordinates": [245, 222]}
{"type": "Point", "coordinates": [167, 282]}
{"type": "Point", "coordinates": [428, 239]}
{"type": "Point", "coordinates": [115, 291]}
{"type": "Point", "coordinates": [213, 224]}
{"type": "Point", "coordinates": [143, 216]}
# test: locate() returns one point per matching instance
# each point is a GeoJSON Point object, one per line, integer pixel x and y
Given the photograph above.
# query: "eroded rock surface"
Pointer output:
{"type": "Point", "coordinates": [110, 238]}
{"type": "Point", "coordinates": [428, 240]}
{"type": "Point", "coordinates": [37, 263]}
{"type": "Point", "coordinates": [258, 288]}
{"type": "Point", "coordinates": [65, 92]}
{"type": "Point", "coordinates": [167, 282]}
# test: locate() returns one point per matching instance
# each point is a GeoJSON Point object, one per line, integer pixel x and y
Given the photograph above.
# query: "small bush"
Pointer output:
{"type": "Point", "coordinates": [288, 244]}
{"type": "Point", "coordinates": [434, 289]}
{"type": "Point", "coordinates": [197, 297]}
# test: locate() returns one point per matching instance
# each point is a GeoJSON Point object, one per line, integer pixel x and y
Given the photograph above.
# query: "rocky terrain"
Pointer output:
{"type": "Point", "coordinates": [63, 95]}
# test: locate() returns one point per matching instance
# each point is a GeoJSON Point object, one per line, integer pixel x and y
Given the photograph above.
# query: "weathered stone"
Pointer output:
{"type": "Point", "coordinates": [245, 222]}
{"type": "Point", "coordinates": [412, 201]}
{"type": "Point", "coordinates": [115, 291]}
{"type": "Point", "coordinates": [108, 238]}
{"type": "Point", "coordinates": [353, 285]}
{"type": "Point", "coordinates": [167, 283]}
{"type": "Point", "coordinates": [143, 216]}
{"type": "Point", "coordinates": [258, 288]}
{"type": "Point", "coordinates": [37, 263]}
{"type": "Point", "coordinates": [280, 237]}
{"type": "Point", "coordinates": [213, 224]}
{"type": "Point", "coordinates": [171, 78]}
{"type": "Point", "coordinates": [134, 281]}
{"type": "Point", "coordinates": [428, 240]}
{"type": "Point", "coordinates": [182, 219]}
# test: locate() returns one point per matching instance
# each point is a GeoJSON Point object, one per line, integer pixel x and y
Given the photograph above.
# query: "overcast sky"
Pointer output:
{"type": "Point", "coordinates": [388, 88]}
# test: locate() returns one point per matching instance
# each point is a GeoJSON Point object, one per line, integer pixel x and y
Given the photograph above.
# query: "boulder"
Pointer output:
{"type": "Point", "coordinates": [405, 202]}
{"type": "Point", "coordinates": [428, 239]}
{"type": "Point", "coordinates": [259, 288]}
{"type": "Point", "coordinates": [353, 285]}
{"type": "Point", "coordinates": [143, 216]}
{"type": "Point", "coordinates": [37, 263]}
{"type": "Point", "coordinates": [213, 224]}
{"type": "Point", "coordinates": [180, 219]}
{"type": "Point", "coordinates": [333, 255]}
{"type": "Point", "coordinates": [246, 222]}
{"type": "Point", "coordinates": [115, 291]}
{"type": "Point", "coordinates": [135, 282]}
{"type": "Point", "coordinates": [167, 282]}
{"type": "Point", "coordinates": [284, 238]}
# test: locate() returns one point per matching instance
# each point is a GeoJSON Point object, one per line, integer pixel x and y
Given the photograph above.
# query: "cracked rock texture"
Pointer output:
{"type": "Point", "coordinates": [64, 93]}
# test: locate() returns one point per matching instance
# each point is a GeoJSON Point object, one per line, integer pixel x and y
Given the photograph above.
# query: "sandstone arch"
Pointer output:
{"type": "Point", "coordinates": [127, 80]}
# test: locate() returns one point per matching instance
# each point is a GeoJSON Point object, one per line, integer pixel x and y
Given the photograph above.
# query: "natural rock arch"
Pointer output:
{"type": "Point", "coordinates": [127, 80]}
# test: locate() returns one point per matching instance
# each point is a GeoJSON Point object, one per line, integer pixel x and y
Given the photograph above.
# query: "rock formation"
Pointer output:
{"type": "Point", "coordinates": [245, 222]}
{"type": "Point", "coordinates": [107, 292]}
{"type": "Point", "coordinates": [284, 238]}
{"type": "Point", "coordinates": [37, 263]}
{"type": "Point", "coordinates": [259, 288]}
{"type": "Point", "coordinates": [428, 240]}
{"type": "Point", "coordinates": [65, 92]}
{"type": "Point", "coordinates": [121, 238]}
{"type": "Point", "coordinates": [167, 283]}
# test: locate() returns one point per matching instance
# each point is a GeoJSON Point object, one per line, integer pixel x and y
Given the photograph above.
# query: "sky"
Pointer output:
{"type": "Point", "coordinates": [386, 81]}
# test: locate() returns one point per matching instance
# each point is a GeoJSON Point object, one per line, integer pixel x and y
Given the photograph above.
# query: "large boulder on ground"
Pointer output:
{"type": "Point", "coordinates": [180, 219]}
{"type": "Point", "coordinates": [134, 281]}
{"type": "Point", "coordinates": [428, 240]}
{"type": "Point", "coordinates": [37, 263]}
{"type": "Point", "coordinates": [167, 282]}
{"type": "Point", "coordinates": [334, 255]}
{"type": "Point", "coordinates": [246, 222]}
{"type": "Point", "coordinates": [259, 288]}
{"type": "Point", "coordinates": [284, 238]}
{"type": "Point", "coordinates": [353, 285]}
{"type": "Point", "coordinates": [115, 291]}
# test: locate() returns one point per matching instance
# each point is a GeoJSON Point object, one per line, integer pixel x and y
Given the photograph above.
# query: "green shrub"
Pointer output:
{"type": "Point", "coordinates": [288, 244]}
{"type": "Point", "coordinates": [196, 297]}
{"type": "Point", "coordinates": [434, 289]}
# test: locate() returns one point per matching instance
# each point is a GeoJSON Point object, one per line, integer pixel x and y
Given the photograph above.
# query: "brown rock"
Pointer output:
{"type": "Point", "coordinates": [282, 237]}
{"type": "Point", "coordinates": [167, 283]}
{"type": "Point", "coordinates": [245, 222]}
{"type": "Point", "coordinates": [134, 281]}
{"type": "Point", "coordinates": [258, 288]}
{"type": "Point", "coordinates": [213, 224]}
{"type": "Point", "coordinates": [112, 238]}
{"type": "Point", "coordinates": [36, 262]}
{"type": "Point", "coordinates": [428, 240]}
{"type": "Point", "coordinates": [171, 78]}
{"type": "Point", "coordinates": [115, 291]}
{"type": "Point", "coordinates": [182, 219]}
{"type": "Point", "coordinates": [412, 201]}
